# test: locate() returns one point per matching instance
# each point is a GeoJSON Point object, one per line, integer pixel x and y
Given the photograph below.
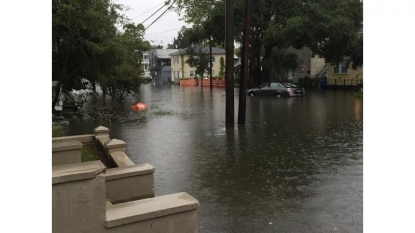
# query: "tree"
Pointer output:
{"type": "Point", "coordinates": [278, 63]}
{"type": "Point", "coordinates": [198, 58]}
{"type": "Point", "coordinates": [125, 78]}
{"type": "Point", "coordinates": [170, 46]}
{"type": "Point", "coordinates": [79, 31]}
{"type": "Point", "coordinates": [222, 67]}
{"type": "Point", "coordinates": [187, 37]}
{"type": "Point", "coordinates": [87, 46]}
{"type": "Point", "coordinates": [328, 27]}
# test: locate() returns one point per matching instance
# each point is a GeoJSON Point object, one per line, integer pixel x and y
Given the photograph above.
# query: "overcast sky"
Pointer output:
{"type": "Point", "coordinates": [164, 29]}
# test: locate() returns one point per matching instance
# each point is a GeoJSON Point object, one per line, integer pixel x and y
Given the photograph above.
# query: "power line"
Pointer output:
{"type": "Point", "coordinates": [147, 11]}
{"type": "Point", "coordinates": [168, 8]}
{"type": "Point", "coordinates": [162, 32]}
{"type": "Point", "coordinates": [156, 12]}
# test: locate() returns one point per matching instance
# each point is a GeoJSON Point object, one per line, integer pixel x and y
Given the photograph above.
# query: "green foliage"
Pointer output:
{"type": "Point", "coordinates": [278, 63]}
{"type": "Point", "coordinates": [222, 67]}
{"type": "Point", "coordinates": [328, 27]}
{"type": "Point", "coordinates": [86, 44]}
{"type": "Point", "coordinates": [306, 81]}
{"type": "Point", "coordinates": [88, 153]}
{"type": "Point", "coordinates": [359, 93]}
{"type": "Point", "coordinates": [199, 59]}
{"type": "Point", "coordinates": [187, 37]}
{"type": "Point", "coordinates": [57, 131]}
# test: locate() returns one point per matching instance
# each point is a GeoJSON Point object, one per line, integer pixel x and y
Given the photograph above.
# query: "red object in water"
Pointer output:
{"type": "Point", "coordinates": [139, 106]}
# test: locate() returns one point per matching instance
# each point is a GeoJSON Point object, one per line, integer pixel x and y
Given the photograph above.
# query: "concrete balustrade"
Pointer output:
{"type": "Point", "coordinates": [66, 152]}
{"type": "Point", "coordinates": [88, 197]}
{"type": "Point", "coordinates": [102, 136]}
{"type": "Point", "coordinates": [129, 183]}
{"type": "Point", "coordinates": [116, 150]}
{"type": "Point", "coordinates": [78, 197]}
{"type": "Point", "coordinates": [170, 213]}
{"type": "Point", "coordinates": [86, 138]}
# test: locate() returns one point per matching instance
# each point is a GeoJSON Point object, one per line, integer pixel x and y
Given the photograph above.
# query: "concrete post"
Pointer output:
{"type": "Point", "coordinates": [116, 151]}
{"type": "Point", "coordinates": [102, 136]}
{"type": "Point", "coordinates": [101, 130]}
{"type": "Point", "coordinates": [115, 145]}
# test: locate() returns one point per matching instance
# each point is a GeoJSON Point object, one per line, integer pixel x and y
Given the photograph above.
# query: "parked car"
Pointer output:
{"type": "Point", "coordinates": [277, 89]}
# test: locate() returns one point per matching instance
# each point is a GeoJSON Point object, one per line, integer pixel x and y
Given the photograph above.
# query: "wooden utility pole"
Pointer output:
{"type": "Point", "coordinates": [210, 61]}
{"type": "Point", "coordinates": [243, 82]}
{"type": "Point", "coordinates": [230, 115]}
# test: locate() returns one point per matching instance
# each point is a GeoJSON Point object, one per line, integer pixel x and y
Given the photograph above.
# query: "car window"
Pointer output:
{"type": "Point", "coordinates": [275, 85]}
{"type": "Point", "coordinates": [289, 85]}
{"type": "Point", "coordinates": [264, 85]}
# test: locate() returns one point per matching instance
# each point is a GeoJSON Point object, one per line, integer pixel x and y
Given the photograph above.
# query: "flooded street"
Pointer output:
{"type": "Point", "coordinates": [296, 166]}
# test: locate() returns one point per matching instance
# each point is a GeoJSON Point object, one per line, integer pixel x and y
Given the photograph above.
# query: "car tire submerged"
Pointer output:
{"type": "Point", "coordinates": [278, 95]}
{"type": "Point", "coordinates": [252, 94]}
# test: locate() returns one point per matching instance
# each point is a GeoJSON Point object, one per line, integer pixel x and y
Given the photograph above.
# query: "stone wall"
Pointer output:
{"type": "Point", "coordinates": [90, 197]}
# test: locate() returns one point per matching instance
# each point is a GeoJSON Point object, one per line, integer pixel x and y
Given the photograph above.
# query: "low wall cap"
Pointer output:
{"type": "Point", "coordinates": [66, 145]}
{"type": "Point", "coordinates": [115, 143]}
{"type": "Point", "coordinates": [136, 211]}
{"type": "Point", "coordinates": [130, 171]}
{"type": "Point", "coordinates": [101, 129]}
{"type": "Point", "coordinates": [76, 171]}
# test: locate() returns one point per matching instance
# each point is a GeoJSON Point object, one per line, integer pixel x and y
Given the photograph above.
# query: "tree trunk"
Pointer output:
{"type": "Point", "coordinates": [244, 66]}
{"type": "Point", "coordinates": [211, 65]}
{"type": "Point", "coordinates": [56, 98]}
{"type": "Point", "coordinates": [229, 16]}
{"type": "Point", "coordinates": [255, 62]}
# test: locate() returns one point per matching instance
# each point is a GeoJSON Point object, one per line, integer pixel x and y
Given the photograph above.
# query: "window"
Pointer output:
{"type": "Point", "coordinates": [213, 59]}
{"type": "Point", "coordinates": [265, 85]}
{"type": "Point", "coordinates": [164, 62]}
{"type": "Point", "coordinates": [275, 85]}
{"type": "Point", "coordinates": [340, 68]}
{"type": "Point", "coordinates": [175, 60]}
{"type": "Point", "coordinates": [192, 73]}
{"type": "Point", "coordinates": [289, 85]}
{"type": "Point", "coordinates": [213, 73]}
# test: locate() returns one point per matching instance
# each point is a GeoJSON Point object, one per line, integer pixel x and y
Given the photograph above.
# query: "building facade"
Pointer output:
{"type": "Point", "coordinates": [342, 74]}
{"type": "Point", "coordinates": [160, 65]}
{"type": "Point", "coordinates": [308, 66]}
{"type": "Point", "coordinates": [145, 65]}
{"type": "Point", "coordinates": [180, 69]}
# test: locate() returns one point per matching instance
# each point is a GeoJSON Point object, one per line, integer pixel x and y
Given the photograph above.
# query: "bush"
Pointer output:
{"type": "Point", "coordinates": [359, 93]}
{"type": "Point", "coordinates": [306, 81]}
{"type": "Point", "coordinates": [57, 131]}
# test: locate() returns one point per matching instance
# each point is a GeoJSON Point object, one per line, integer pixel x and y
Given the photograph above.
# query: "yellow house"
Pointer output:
{"type": "Point", "coordinates": [342, 74]}
{"type": "Point", "coordinates": [180, 69]}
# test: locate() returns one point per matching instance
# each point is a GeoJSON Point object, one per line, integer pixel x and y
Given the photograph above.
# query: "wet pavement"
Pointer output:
{"type": "Point", "coordinates": [296, 166]}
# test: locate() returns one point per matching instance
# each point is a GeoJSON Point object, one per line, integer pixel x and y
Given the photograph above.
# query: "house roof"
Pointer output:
{"type": "Point", "coordinates": [163, 53]}
{"type": "Point", "coordinates": [215, 50]}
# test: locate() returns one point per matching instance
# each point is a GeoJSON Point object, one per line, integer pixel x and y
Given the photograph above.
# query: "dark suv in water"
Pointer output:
{"type": "Point", "coordinates": [277, 89]}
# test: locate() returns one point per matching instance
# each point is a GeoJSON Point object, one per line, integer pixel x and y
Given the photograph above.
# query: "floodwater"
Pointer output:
{"type": "Point", "coordinates": [296, 166]}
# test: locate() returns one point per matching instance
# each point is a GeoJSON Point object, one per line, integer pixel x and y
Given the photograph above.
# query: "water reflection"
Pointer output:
{"type": "Point", "coordinates": [296, 163]}
{"type": "Point", "coordinates": [358, 109]}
